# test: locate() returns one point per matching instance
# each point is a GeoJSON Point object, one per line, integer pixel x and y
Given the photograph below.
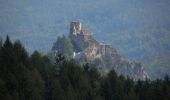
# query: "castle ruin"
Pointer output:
{"type": "Point", "coordinates": [77, 29]}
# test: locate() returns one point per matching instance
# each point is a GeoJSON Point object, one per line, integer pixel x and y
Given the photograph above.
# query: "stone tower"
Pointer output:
{"type": "Point", "coordinates": [75, 28]}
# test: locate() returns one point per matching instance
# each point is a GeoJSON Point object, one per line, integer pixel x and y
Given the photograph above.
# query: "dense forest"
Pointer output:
{"type": "Point", "coordinates": [34, 77]}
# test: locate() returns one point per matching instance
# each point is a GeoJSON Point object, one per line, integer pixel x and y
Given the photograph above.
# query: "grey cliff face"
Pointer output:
{"type": "Point", "coordinates": [104, 57]}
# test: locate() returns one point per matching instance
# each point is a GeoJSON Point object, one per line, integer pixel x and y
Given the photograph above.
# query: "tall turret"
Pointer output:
{"type": "Point", "coordinates": [75, 28]}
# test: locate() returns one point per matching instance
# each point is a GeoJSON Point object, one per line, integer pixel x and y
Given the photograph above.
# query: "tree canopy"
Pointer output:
{"type": "Point", "coordinates": [34, 77]}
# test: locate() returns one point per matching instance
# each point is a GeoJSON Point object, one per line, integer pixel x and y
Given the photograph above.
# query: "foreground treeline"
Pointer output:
{"type": "Point", "coordinates": [34, 77]}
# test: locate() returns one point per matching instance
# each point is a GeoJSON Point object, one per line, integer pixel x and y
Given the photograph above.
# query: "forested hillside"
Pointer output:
{"type": "Point", "coordinates": [34, 77]}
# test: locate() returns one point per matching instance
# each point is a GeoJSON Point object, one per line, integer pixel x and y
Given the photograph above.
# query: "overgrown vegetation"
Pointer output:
{"type": "Point", "coordinates": [64, 46]}
{"type": "Point", "coordinates": [24, 77]}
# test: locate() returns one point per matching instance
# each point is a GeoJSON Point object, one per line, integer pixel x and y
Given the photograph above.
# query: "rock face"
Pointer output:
{"type": "Point", "coordinates": [104, 57]}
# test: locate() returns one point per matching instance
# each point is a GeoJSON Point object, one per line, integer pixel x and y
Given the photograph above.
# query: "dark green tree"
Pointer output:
{"type": "Point", "coordinates": [4, 93]}
{"type": "Point", "coordinates": [38, 86]}
{"type": "Point", "coordinates": [20, 53]}
{"type": "Point", "coordinates": [57, 91]}
{"type": "Point", "coordinates": [0, 42]}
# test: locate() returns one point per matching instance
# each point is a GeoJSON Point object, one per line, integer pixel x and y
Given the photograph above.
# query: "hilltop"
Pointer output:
{"type": "Point", "coordinates": [85, 49]}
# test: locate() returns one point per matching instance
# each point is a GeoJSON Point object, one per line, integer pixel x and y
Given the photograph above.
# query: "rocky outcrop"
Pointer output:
{"type": "Point", "coordinates": [104, 57]}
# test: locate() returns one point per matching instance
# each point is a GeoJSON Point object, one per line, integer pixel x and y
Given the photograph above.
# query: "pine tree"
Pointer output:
{"type": "Point", "coordinates": [8, 60]}
{"type": "Point", "coordinates": [0, 42]}
{"type": "Point", "coordinates": [38, 86]}
{"type": "Point", "coordinates": [57, 91]}
{"type": "Point", "coordinates": [7, 42]}
{"type": "Point", "coordinates": [4, 93]}
{"type": "Point", "coordinates": [20, 53]}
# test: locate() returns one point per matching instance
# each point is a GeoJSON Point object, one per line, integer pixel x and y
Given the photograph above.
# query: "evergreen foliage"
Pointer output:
{"type": "Point", "coordinates": [24, 77]}
{"type": "Point", "coordinates": [0, 42]}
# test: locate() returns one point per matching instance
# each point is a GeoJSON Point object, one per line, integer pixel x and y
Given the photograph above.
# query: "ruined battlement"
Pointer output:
{"type": "Point", "coordinates": [77, 29]}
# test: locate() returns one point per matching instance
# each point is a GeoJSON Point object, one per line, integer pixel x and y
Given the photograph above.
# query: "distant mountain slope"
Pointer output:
{"type": "Point", "coordinates": [141, 27]}
{"type": "Point", "coordinates": [153, 49]}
